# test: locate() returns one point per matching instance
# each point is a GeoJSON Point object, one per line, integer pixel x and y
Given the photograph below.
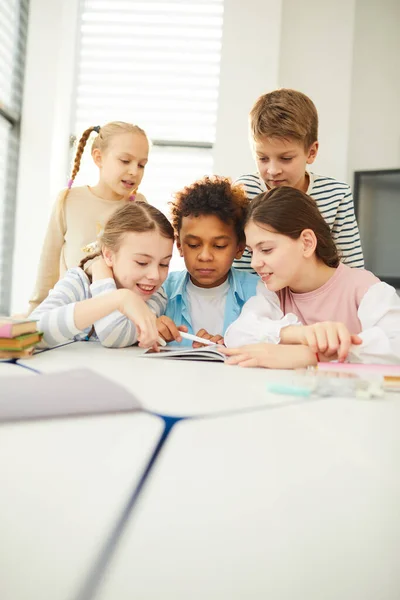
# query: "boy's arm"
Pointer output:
{"type": "Point", "coordinates": [49, 265]}
{"type": "Point", "coordinates": [345, 233]}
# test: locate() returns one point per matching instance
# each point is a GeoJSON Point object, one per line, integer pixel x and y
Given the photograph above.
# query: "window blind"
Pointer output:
{"type": "Point", "coordinates": [13, 31]}
{"type": "Point", "coordinates": [155, 64]}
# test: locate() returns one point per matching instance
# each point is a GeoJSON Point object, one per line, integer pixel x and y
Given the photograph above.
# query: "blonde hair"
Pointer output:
{"type": "Point", "coordinates": [137, 217]}
{"type": "Point", "coordinates": [285, 114]}
{"type": "Point", "coordinates": [101, 141]}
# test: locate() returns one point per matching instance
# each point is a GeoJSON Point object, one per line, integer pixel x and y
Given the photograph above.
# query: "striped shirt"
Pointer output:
{"type": "Point", "coordinates": [335, 202]}
{"type": "Point", "coordinates": [55, 315]}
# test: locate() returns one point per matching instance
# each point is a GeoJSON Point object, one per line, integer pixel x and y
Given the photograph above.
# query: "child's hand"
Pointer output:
{"type": "Point", "coordinates": [168, 330]}
{"type": "Point", "coordinates": [217, 339]}
{"type": "Point", "coordinates": [252, 355]}
{"type": "Point", "coordinates": [133, 307]}
{"type": "Point", "coordinates": [270, 356]}
{"type": "Point", "coordinates": [330, 340]}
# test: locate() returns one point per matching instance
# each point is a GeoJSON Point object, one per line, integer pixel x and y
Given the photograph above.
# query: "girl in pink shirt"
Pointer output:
{"type": "Point", "coordinates": [307, 301]}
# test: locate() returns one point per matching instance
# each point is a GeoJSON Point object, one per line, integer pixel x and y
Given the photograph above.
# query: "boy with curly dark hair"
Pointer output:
{"type": "Point", "coordinates": [208, 217]}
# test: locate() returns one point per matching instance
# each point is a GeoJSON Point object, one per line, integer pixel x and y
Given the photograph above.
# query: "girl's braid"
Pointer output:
{"type": "Point", "coordinates": [79, 151]}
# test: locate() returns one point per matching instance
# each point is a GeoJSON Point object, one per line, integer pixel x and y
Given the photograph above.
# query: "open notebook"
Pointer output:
{"type": "Point", "coordinates": [208, 353]}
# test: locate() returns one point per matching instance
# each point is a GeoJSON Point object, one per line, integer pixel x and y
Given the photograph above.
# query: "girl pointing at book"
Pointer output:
{"type": "Point", "coordinates": [115, 297]}
{"type": "Point", "coordinates": [308, 305]}
{"type": "Point", "coordinates": [120, 151]}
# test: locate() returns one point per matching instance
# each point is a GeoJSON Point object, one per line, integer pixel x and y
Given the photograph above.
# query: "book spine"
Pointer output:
{"type": "Point", "coordinates": [6, 330]}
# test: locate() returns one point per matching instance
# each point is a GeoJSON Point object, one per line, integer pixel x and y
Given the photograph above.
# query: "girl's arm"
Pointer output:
{"type": "Point", "coordinates": [130, 320]}
{"type": "Point", "coordinates": [49, 265]}
{"type": "Point", "coordinates": [69, 310]}
{"type": "Point", "coordinates": [126, 320]}
{"type": "Point", "coordinates": [379, 313]}
{"type": "Point", "coordinates": [55, 315]}
{"type": "Point", "coordinates": [261, 320]}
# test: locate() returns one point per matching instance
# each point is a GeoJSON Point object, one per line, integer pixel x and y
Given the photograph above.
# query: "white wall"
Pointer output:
{"type": "Point", "coordinates": [45, 132]}
{"type": "Point", "coordinates": [345, 54]}
{"type": "Point", "coordinates": [316, 58]}
{"type": "Point", "coordinates": [249, 68]}
{"type": "Point", "coordinates": [375, 98]}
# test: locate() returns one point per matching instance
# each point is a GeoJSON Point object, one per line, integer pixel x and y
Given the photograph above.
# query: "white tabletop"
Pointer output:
{"type": "Point", "coordinates": [253, 496]}
{"type": "Point", "coordinates": [64, 485]}
{"type": "Point", "coordinates": [166, 386]}
{"type": "Point", "coordinates": [12, 369]}
{"type": "Point", "coordinates": [297, 503]}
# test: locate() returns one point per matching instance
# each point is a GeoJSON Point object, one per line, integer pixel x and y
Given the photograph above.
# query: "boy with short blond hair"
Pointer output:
{"type": "Point", "coordinates": [284, 131]}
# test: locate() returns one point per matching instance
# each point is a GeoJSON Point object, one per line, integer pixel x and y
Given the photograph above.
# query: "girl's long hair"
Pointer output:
{"type": "Point", "coordinates": [289, 211]}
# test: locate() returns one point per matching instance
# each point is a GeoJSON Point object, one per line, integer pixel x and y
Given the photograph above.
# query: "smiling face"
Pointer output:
{"type": "Point", "coordinates": [279, 260]}
{"type": "Point", "coordinates": [208, 246]}
{"type": "Point", "coordinates": [283, 162]}
{"type": "Point", "coordinates": [141, 263]}
{"type": "Point", "coordinates": [122, 164]}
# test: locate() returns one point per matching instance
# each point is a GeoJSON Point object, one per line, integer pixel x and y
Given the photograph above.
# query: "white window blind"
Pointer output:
{"type": "Point", "coordinates": [155, 64]}
{"type": "Point", "coordinates": [13, 28]}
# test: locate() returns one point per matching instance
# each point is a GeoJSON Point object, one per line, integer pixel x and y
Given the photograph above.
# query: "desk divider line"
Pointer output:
{"type": "Point", "coordinates": [234, 411]}
{"type": "Point", "coordinates": [96, 573]}
{"type": "Point", "coordinates": [14, 361]}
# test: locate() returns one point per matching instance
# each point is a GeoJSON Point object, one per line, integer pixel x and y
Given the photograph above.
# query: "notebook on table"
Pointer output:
{"type": "Point", "coordinates": [79, 392]}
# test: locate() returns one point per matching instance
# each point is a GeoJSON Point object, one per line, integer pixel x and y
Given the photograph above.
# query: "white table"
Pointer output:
{"type": "Point", "coordinates": [64, 486]}
{"type": "Point", "coordinates": [250, 497]}
{"type": "Point", "coordinates": [168, 387]}
{"type": "Point", "coordinates": [299, 503]}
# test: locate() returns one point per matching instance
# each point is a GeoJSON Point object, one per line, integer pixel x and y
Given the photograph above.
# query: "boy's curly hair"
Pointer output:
{"type": "Point", "coordinates": [211, 196]}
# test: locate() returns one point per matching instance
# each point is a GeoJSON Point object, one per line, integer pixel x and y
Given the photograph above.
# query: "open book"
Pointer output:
{"type": "Point", "coordinates": [208, 353]}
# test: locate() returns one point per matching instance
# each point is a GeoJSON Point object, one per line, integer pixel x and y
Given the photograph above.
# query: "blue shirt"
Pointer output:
{"type": "Point", "coordinates": [242, 286]}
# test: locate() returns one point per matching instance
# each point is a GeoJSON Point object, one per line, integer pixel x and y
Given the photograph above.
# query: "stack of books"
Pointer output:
{"type": "Point", "coordinates": [18, 337]}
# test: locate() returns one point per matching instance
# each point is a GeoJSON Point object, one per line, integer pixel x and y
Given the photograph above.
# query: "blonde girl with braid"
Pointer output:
{"type": "Point", "coordinates": [120, 151]}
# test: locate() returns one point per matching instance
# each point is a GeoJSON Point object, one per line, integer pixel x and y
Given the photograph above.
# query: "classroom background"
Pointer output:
{"type": "Point", "coordinates": [188, 73]}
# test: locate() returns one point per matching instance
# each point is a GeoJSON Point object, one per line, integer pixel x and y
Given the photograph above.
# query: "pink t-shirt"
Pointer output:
{"type": "Point", "coordinates": [337, 300]}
